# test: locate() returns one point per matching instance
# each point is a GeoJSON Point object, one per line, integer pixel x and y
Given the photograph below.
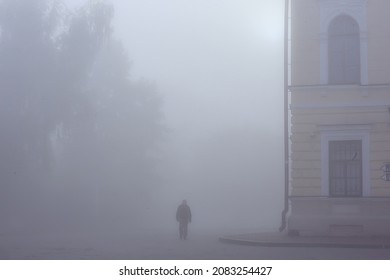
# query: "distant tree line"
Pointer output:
{"type": "Point", "coordinates": [77, 134]}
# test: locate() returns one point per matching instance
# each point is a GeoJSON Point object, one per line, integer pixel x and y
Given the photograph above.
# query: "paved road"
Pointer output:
{"type": "Point", "coordinates": [151, 245]}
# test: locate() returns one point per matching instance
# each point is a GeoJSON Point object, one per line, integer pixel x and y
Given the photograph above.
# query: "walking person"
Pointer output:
{"type": "Point", "coordinates": [183, 216]}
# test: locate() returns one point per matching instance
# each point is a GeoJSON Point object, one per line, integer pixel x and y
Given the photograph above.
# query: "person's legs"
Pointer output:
{"type": "Point", "coordinates": [185, 230]}
{"type": "Point", "coordinates": [181, 230]}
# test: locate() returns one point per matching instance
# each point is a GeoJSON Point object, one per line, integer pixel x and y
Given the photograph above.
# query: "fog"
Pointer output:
{"type": "Point", "coordinates": [113, 113]}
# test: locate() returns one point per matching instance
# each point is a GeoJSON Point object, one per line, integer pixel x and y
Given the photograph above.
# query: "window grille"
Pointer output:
{"type": "Point", "coordinates": [345, 168]}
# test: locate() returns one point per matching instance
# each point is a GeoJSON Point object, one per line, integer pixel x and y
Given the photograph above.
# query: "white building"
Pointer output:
{"type": "Point", "coordinates": [340, 124]}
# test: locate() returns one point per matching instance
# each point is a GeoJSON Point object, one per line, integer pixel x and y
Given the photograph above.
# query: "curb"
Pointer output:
{"type": "Point", "coordinates": [304, 242]}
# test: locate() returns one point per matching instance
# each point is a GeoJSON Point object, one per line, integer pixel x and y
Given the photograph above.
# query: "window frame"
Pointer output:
{"type": "Point", "coordinates": [341, 133]}
{"type": "Point", "coordinates": [330, 9]}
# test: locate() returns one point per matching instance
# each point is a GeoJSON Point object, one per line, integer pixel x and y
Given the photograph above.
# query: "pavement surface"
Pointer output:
{"type": "Point", "coordinates": [200, 245]}
{"type": "Point", "coordinates": [276, 239]}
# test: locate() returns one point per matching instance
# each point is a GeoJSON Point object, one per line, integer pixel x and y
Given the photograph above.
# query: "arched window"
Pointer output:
{"type": "Point", "coordinates": [343, 51]}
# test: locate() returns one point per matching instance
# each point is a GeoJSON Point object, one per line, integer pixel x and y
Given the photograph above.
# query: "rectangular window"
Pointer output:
{"type": "Point", "coordinates": [345, 168]}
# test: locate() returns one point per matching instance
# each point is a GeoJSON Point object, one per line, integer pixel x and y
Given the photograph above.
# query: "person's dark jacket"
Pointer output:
{"type": "Point", "coordinates": [183, 213]}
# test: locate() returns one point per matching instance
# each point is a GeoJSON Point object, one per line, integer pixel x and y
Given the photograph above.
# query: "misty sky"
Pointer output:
{"type": "Point", "coordinates": [202, 51]}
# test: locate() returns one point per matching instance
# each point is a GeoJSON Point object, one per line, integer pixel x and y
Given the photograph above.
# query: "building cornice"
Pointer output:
{"type": "Point", "coordinates": [342, 106]}
{"type": "Point", "coordinates": [331, 87]}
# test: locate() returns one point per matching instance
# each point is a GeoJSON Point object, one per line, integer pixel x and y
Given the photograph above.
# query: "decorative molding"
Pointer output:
{"type": "Point", "coordinates": [354, 127]}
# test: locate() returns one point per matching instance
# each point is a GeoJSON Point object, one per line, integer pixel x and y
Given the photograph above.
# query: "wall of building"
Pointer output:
{"type": "Point", "coordinates": [306, 143]}
{"type": "Point", "coordinates": [315, 105]}
{"type": "Point", "coordinates": [378, 38]}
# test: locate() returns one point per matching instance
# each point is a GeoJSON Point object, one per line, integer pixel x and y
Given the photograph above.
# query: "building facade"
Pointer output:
{"type": "Point", "coordinates": [340, 117]}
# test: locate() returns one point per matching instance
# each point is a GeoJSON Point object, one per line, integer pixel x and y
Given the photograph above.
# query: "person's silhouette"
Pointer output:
{"type": "Point", "coordinates": [183, 216]}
